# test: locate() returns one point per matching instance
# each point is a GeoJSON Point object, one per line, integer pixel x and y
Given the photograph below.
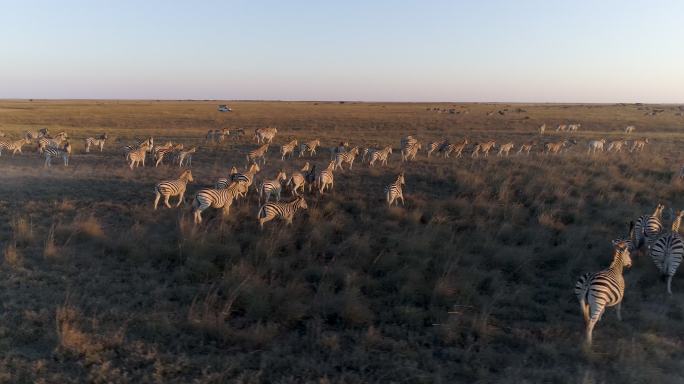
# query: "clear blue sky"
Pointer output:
{"type": "Point", "coordinates": [544, 50]}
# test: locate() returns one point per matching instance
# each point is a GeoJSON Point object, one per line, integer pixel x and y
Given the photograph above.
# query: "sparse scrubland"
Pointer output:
{"type": "Point", "coordinates": [471, 281]}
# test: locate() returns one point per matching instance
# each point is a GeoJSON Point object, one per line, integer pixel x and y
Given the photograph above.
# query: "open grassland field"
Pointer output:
{"type": "Point", "coordinates": [471, 281]}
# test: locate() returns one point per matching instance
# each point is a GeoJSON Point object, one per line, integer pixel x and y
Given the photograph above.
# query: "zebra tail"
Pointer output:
{"type": "Point", "coordinates": [582, 285]}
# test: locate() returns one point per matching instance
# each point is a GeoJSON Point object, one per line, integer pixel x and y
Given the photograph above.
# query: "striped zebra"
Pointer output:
{"type": "Point", "coordinates": [52, 142]}
{"type": "Point", "coordinates": [667, 252]}
{"type": "Point", "coordinates": [185, 156]}
{"type": "Point", "coordinates": [284, 211]}
{"type": "Point", "coordinates": [554, 148]}
{"type": "Point", "coordinates": [33, 135]}
{"type": "Point", "coordinates": [456, 148]}
{"type": "Point", "coordinates": [63, 152]}
{"type": "Point", "coordinates": [288, 149]}
{"type": "Point", "coordinates": [438, 146]}
{"type": "Point", "coordinates": [326, 178]}
{"type": "Point", "coordinates": [160, 153]}
{"type": "Point", "coordinates": [505, 149]}
{"type": "Point", "coordinates": [340, 148]}
{"type": "Point", "coordinates": [394, 192]}
{"type": "Point", "coordinates": [409, 152]}
{"type": "Point", "coordinates": [272, 187]}
{"type": "Point", "coordinates": [217, 135]}
{"type": "Point", "coordinates": [246, 178]}
{"type": "Point", "coordinates": [380, 155]}
{"type": "Point", "coordinates": [147, 143]}
{"type": "Point", "coordinates": [526, 147]}
{"type": "Point", "coordinates": [309, 146]}
{"type": "Point", "coordinates": [346, 157]}
{"type": "Point", "coordinates": [561, 128]}
{"type": "Point", "coordinates": [629, 129]}
{"type": "Point", "coordinates": [299, 179]}
{"type": "Point", "coordinates": [264, 135]}
{"type": "Point", "coordinates": [616, 146]}
{"type": "Point", "coordinates": [137, 156]}
{"type": "Point", "coordinates": [648, 227]}
{"type": "Point", "coordinates": [483, 148]}
{"type": "Point", "coordinates": [217, 198]}
{"type": "Point", "coordinates": [596, 291]}
{"type": "Point", "coordinates": [574, 127]}
{"type": "Point", "coordinates": [13, 145]}
{"type": "Point", "coordinates": [596, 145]}
{"type": "Point", "coordinates": [260, 153]}
{"type": "Point", "coordinates": [542, 128]}
{"type": "Point", "coordinates": [638, 145]}
{"type": "Point", "coordinates": [97, 142]}
{"type": "Point", "coordinates": [169, 188]}
{"type": "Point", "coordinates": [408, 141]}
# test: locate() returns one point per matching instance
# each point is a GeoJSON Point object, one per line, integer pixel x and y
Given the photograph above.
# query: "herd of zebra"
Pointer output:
{"type": "Point", "coordinates": [596, 291]}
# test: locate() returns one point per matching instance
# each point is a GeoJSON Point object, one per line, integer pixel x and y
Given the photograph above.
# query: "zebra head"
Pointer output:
{"type": "Point", "coordinates": [400, 178]}
{"type": "Point", "coordinates": [282, 176]}
{"type": "Point", "coordinates": [301, 203]}
{"type": "Point", "coordinates": [622, 252]}
{"type": "Point", "coordinates": [629, 241]}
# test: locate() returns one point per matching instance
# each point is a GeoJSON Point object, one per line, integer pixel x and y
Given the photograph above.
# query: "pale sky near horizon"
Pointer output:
{"type": "Point", "coordinates": [496, 50]}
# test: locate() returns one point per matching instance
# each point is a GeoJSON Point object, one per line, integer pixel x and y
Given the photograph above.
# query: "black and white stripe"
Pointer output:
{"type": "Point", "coordinates": [170, 188]}
{"type": "Point", "coordinates": [13, 145]}
{"type": "Point", "coordinates": [648, 227]}
{"type": "Point", "coordinates": [667, 252]}
{"type": "Point", "coordinates": [394, 191]}
{"type": "Point", "coordinates": [288, 149]}
{"type": "Point", "coordinates": [256, 154]}
{"type": "Point", "coordinates": [272, 187]}
{"type": "Point", "coordinates": [309, 146]}
{"type": "Point", "coordinates": [326, 178]}
{"type": "Point", "coordinates": [97, 142]}
{"type": "Point", "coordinates": [285, 211]}
{"type": "Point", "coordinates": [596, 291]}
{"type": "Point", "coordinates": [62, 152]}
{"type": "Point", "coordinates": [216, 198]}
{"type": "Point", "coordinates": [299, 179]}
{"type": "Point", "coordinates": [380, 155]}
{"type": "Point", "coordinates": [346, 157]}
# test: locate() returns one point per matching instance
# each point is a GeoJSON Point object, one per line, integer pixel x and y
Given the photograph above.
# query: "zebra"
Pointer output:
{"type": "Point", "coordinates": [31, 135]}
{"type": "Point", "coordinates": [380, 155]}
{"type": "Point", "coordinates": [596, 145]}
{"type": "Point", "coordinates": [217, 135]}
{"type": "Point", "coordinates": [62, 152]}
{"type": "Point", "coordinates": [616, 145]}
{"type": "Point", "coordinates": [542, 128]}
{"type": "Point", "coordinates": [217, 198]}
{"type": "Point", "coordinates": [638, 145]}
{"type": "Point", "coordinates": [185, 156]}
{"type": "Point", "coordinates": [246, 178]}
{"type": "Point", "coordinates": [288, 149]}
{"type": "Point", "coordinates": [160, 153]}
{"type": "Point", "coordinates": [346, 157]}
{"type": "Point", "coordinates": [408, 141]}
{"type": "Point", "coordinates": [555, 148]}
{"type": "Point", "coordinates": [299, 179]}
{"type": "Point", "coordinates": [341, 148]}
{"type": "Point", "coordinates": [137, 156]}
{"type": "Point", "coordinates": [438, 146]}
{"type": "Point", "coordinates": [272, 187]}
{"type": "Point", "coordinates": [456, 148]}
{"type": "Point", "coordinates": [54, 142]}
{"type": "Point", "coordinates": [505, 149]}
{"type": "Point", "coordinates": [309, 146]}
{"type": "Point", "coordinates": [147, 143]}
{"type": "Point", "coordinates": [629, 129]}
{"type": "Point", "coordinates": [170, 188]}
{"type": "Point", "coordinates": [236, 134]}
{"type": "Point", "coordinates": [648, 227]}
{"type": "Point", "coordinates": [596, 291]}
{"type": "Point", "coordinates": [483, 148]}
{"type": "Point", "coordinates": [409, 152]}
{"type": "Point", "coordinates": [574, 127]}
{"type": "Point", "coordinates": [256, 154]}
{"type": "Point", "coordinates": [561, 128]}
{"type": "Point", "coordinates": [667, 252]}
{"type": "Point", "coordinates": [98, 142]}
{"type": "Point", "coordinates": [393, 192]}
{"type": "Point", "coordinates": [285, 211]}
{"type": "Point", "coordinates": [326, 178]}
{"type": "Point", "coordinates": [263, 135]}
{"type": "Point", "coordinates": [526, 147]}
{"type": "Point", "coordinates": [13, 145]}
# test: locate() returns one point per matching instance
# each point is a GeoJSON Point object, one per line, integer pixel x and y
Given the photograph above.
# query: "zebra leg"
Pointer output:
{"type": "Point", "coordinates": [180, 199]}
{"type": "Point", "coordinates": [618, 308]}
{"type": "Point", "coordinates": [156, 199]}
{"type": "Point", "coordinates": [590, 330]}
{"type": "Point", "coordinates": [401, 195]}
{"type": "Point", "coordinates": [669, 284]}
{"type": "Point", "coordinates": [166, 201]}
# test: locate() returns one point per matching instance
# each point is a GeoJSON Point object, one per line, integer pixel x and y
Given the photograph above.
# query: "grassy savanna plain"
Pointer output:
{"type": "Point", "coordinates": [471, 281]}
